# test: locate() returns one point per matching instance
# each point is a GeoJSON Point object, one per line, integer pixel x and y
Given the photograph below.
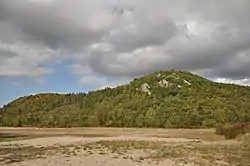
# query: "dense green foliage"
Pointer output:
{"type": "Point", "coordinates": [173, 99]}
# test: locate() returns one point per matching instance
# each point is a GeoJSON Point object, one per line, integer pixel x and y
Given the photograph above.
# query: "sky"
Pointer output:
{"type": "Point", "coordinates": [76, 46]}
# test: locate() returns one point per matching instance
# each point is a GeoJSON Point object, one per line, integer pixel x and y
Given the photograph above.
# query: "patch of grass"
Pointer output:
{"type": "Point", "coordinates": [198, 134]}
{"type": "Point", "coordinates": [198, 153]}
{"type": "Point", "coordinates": [18, 153]}
{"type": "Point", "coordinates": [15, 153]}
{"type": "Point", "coordinates": [167, 153]}
{"type": "Point", "coordinates": [11, 137]}
{"type": "Point", "coordinates": [129, 145]}
{"type": "Point", "coordinates": [233, 154]}
{"type": "Point", "coordinates": [158, 150]}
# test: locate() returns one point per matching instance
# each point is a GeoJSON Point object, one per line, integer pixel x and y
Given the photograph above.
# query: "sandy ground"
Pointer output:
{"type": "Point", "coordinates": [96, 160]}
{"type": "Point", "coordinates": [90, 160]}
{"type": "Point", "coordinates": [62, 137]}
{"type": "Point", "coordinates": [67, 140]}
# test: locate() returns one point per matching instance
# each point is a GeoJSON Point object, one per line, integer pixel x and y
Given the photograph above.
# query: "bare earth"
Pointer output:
{"type": "Point", "coordinates": [116, 146]}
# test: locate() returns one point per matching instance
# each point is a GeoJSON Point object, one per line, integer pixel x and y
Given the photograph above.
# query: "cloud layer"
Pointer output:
{"type": "Point", "coordinates": [126, 38]}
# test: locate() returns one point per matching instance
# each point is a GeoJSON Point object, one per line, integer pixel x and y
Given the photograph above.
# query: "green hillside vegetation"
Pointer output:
{"type": "Point", "coordinates": [162, 99]}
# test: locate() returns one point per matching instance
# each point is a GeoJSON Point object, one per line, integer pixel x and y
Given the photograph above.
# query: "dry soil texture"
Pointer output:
{"type": "Point", "coordinates": [117, 146]}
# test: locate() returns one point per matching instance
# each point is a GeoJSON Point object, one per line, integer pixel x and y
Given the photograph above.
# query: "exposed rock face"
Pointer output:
{"type": "Point", "coordinates": [173, 75]}
{"type": "Point", "coordinates": [145, 88]}
{"type": "Point", "coordinates": [163, 83]}
{"type": "Point", "coordinates": [168, 81]}
{"type": "Point", "coordinates": [187, 82]}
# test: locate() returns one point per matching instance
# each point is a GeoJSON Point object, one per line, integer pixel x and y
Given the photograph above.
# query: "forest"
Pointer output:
{"type": "Point", "coordinates": [164, 99]}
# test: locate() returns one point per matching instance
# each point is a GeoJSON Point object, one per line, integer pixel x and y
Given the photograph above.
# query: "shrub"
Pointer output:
{"type": "Point", "coordinates": [232, 131]}
{"type": "Point", "coordinates": [220, 130]}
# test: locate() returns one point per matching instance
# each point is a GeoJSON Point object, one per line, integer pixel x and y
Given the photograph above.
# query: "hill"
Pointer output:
{"type": "Point", "coordinates": [162, 99]}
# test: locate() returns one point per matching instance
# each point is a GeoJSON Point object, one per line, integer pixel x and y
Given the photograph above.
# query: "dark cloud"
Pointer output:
{"type": "Point", "coordinates": [47, 25]}
{"type": "Point", "coordinates": [142, 33]}
{"type": "Point", "coordinates": [127, 38]}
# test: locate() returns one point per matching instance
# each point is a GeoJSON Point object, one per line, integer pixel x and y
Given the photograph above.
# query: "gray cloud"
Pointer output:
{"type": "Point", "coordinates": [203, 43]}
{"type": "Point", "coordinates": [48, 24]}
{"type": "Point", "coordinates": [34, 33]}
{"type": "Point", "coordinates": [22, 60]}
{"type": "Point", "coordinates": [126, 38]}
{"type": "Point", "coordinates": [141, 33]}
{"type": "Point", "coordinates": [234, 13]}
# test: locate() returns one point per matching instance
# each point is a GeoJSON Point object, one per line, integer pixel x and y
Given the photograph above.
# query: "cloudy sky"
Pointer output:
{"type": "Point", "coordinates": [72, 45]}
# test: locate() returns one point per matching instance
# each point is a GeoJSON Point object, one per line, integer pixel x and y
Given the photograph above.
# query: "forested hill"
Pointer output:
{"type": "Point", "coordinates": [162, 99]}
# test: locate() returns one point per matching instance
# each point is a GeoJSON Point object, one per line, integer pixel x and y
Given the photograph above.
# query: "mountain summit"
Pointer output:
{"type": "Point", "coordinates": [162, 99]}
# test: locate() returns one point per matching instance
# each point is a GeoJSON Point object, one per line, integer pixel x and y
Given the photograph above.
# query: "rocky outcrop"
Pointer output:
{"type": "Point", "coordinates": [145, 88]}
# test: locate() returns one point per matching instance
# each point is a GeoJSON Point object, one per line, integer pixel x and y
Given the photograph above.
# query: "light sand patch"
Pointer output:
{"type": "Point", "coordinates": [93, 160]}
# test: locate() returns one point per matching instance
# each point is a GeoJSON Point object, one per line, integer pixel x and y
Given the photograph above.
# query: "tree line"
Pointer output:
{"type": "Point", "coordinates": [200, 103]}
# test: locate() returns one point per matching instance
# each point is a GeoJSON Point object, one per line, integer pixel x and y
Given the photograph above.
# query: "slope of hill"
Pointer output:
{"type": "Point", "coordinates": [162, 99]}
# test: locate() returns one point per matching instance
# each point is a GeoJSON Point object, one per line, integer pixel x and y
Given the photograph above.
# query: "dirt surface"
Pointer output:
{"type": "Point", "coordinates": [112, 147]}
{"type": "Point", "coordinates": [96, 160]}
{"type": "Point", "coordinates": [67, 140]}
